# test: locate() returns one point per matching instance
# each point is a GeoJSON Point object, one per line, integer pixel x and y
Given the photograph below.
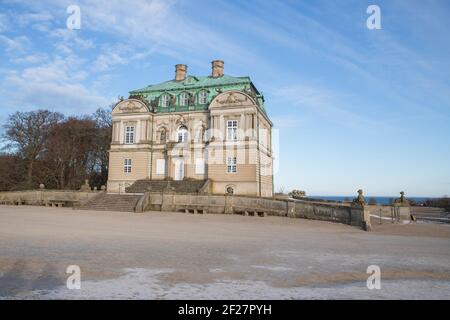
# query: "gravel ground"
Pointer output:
{"type": "Point", "coordinates": [180, 256]}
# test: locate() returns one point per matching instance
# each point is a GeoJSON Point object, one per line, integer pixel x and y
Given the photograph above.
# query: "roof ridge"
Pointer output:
{"type": "Point", "coordinates": [202, 81]}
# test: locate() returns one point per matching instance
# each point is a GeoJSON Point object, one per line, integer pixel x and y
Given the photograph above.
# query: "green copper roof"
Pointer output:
{"type": "Point", "coordinates": [192, 82]}
{"type": "Point", "coordinates": [193, 85]}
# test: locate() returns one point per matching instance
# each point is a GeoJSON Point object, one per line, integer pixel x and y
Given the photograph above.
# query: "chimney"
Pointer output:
{"type": "Point", "coordinates": [217, 68]}
{"type": "Point", "coordinates": [180, 72]}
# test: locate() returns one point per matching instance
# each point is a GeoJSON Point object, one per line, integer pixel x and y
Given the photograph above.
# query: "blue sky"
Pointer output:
{"type": "Point", "coordinates": [355, 108]}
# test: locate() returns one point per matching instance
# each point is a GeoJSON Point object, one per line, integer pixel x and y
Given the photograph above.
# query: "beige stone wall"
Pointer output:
{"type": "Point", "coordinates": [245, 188]}
{"type": "Point", "coordinates": [118, 179]}
{"type": "Point", "coordinates": [40, 197]}
{"type": "Point", "coordinates": [222, 204]}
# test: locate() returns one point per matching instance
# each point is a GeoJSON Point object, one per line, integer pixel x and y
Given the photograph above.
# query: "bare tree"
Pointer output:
{"type": "Point", "coordinates": [45, 147]}
{"type": "Point", "coordinates": [12, 172]}
{"type": "Point", "coordinates": [27, 132]}
{"type": "Point", "coordinates": [67, 152]}
{"type": "Point", "coordinates": [99, 159]}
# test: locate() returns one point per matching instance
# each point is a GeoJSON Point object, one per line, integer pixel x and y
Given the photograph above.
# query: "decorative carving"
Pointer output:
{"type": "Point", "coordinates": [163, 136]}
{"type": "Point", "coordinates": [181, 120]}
{"type": "Point", "coordinates": [232, 99]}
{"type": "Point", "coordinates": [129, 106]}
{"type": "Point", "coordinates": [230, 190]}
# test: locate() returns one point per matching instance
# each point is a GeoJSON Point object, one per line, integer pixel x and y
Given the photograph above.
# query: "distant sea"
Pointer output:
{"type": "Point", "coordinates": [380, 200]}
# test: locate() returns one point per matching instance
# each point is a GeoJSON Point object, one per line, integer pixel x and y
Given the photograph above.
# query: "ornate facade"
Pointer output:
{"type": "Point", "coordinates": [194, 128]}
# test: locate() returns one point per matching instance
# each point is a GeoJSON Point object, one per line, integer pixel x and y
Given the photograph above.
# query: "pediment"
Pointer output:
{"type": "Point", "coordinates": [232, 99]}
{"type": "Point", "coordinates": [130, 106]}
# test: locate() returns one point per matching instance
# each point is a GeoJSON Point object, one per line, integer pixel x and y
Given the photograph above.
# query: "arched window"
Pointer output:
{"type": "Point", "coordinates": [202, 97]}
{"type": "Point", "coordinates": [184, 98]}
{"type": "Point", "coordinates": [182, 134]}
{"type": "Point", "coordinates": [164, 100]}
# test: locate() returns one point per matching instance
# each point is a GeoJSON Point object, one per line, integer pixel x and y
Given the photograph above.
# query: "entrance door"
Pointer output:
{"type": "Point", "coordinates": [179, 169]}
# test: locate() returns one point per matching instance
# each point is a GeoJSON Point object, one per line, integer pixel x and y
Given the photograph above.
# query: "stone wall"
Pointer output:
{"type": "Point", "coordinates": [221, 204]}
{"type": "Point", "coordinates": [41, 197]}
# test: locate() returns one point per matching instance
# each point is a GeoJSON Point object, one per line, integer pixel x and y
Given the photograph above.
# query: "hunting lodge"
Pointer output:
{"type": "Point", "coordinates": [209, 134]}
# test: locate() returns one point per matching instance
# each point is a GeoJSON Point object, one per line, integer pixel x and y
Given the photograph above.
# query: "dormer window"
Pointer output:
{"type": "Point", "coordinates": [164, 100]}
{"type": "Point", "coordinates": [184, 99]}
{"type": "Point", "coordinates": [202, 97]}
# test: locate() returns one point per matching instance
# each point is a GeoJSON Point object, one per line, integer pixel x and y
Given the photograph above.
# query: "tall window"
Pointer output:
{"type": "Point", "coordinates": [127, 166]}
{"type": "Point", "coordinates": [164, 100]}
{"type": "Point", "coordinates": [182, 134]}
{"type": "Point", "coordinates": [232, 129]}
{"type": "Point", "coordinates": [202, 97]}
{"type": "Point", "coordinates": [231, 165]}
{"type": "Point", "coordinates": [129, 134]}
{"type": "Point", "coordinates": [184, 99]}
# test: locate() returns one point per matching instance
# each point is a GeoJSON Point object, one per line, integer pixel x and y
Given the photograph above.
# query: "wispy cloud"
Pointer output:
{"type": "Point", "coordinates": [324, 103]}
{"type": "Point", "coordinates": [15, 45]}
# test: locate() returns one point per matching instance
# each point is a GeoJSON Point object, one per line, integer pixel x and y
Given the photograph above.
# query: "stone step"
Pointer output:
{"type": "Point", "coordinates": [111, 202]}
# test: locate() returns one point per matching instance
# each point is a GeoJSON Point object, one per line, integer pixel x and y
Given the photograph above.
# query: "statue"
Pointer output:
{"type": "Point", "coordinates": [163, 136]}
{"type": "Point", "coordinates": [402, 201]}
{"type": "Point", "coordinates": [191, 99]}
{"type": "Point", "coordinates": [154, 103]}
{"type": "Point", "coordinates": [360, 199]}
{"type": "Point", "coordinates": [297, 194]}
{"type": "Point", "coordinates": [172, 101]}
{"type": "Point", "coordinates": [86, 186]}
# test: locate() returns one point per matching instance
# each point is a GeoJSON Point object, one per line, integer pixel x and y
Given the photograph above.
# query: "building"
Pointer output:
{"type": "Point", "coordinates": [212, 128]}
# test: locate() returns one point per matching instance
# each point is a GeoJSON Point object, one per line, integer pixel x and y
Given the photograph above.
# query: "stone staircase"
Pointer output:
{"type": "Point", "coordinates": [184, 186]}
{"type": "Point", "coordinates": [111, 202]}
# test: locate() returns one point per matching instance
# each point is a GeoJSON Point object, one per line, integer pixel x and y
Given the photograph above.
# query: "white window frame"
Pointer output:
{"type": "Point", "coordinates": [130, 132]}
{"type": "Point", "coordinates": [182, 134]}
{"type": "Point", "coordinates": [183, 99]}
{"type": "Point", "coordinates": [232, 129]}
{"type": "Point", "coordinates": [231, 165]}
{"type": "Point", "coordinates": [160, 166]}
{"type": "Point", "coordinates": [127, 165]}
{"type": "Point", "coordinates": [164, 100]}
{"type": "Point", "coordinates": [202, 97]}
